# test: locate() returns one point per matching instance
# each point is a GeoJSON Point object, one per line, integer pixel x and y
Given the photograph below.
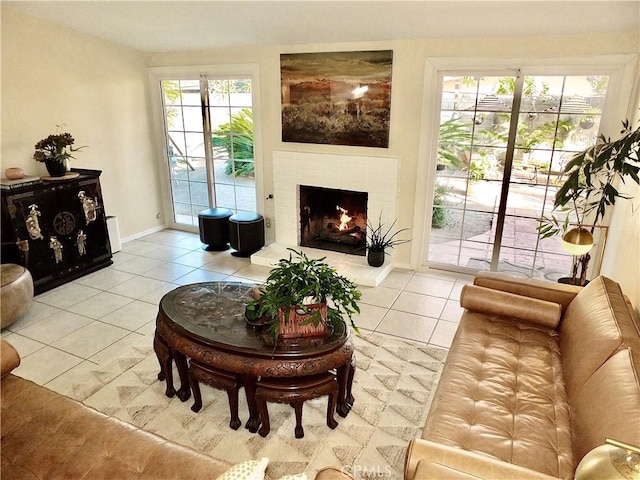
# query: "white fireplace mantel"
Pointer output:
{"type": "Point", "coordinates": [375, 175]}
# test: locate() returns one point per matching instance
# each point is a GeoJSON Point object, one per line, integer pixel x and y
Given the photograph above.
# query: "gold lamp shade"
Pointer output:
{"type": "Point", "coordinates": [611, 461]}
{"type": "Point", "coordinates": [577, 241]}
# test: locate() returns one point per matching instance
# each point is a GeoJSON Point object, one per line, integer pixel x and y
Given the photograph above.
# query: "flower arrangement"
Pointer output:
{"type": "Point", "coordinates": [56, 147]}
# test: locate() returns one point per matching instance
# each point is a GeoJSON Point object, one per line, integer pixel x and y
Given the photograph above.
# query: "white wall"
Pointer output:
{"type": "Point", "coordinates": [407, 97]}
{"type": "Point", "coordinates": [52, 75]}
{"type": "Point", "coordinates": [621, 259]}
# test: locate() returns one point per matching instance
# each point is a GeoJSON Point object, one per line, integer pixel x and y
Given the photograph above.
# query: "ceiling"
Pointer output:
{"type": "Point", "coordinates": [160, 26]}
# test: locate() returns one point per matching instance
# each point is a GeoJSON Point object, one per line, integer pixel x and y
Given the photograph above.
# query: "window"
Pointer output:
{"type": "Point", "coordinates": [209, 145]}
{"type": "Point", "coordinates": [503, 142]}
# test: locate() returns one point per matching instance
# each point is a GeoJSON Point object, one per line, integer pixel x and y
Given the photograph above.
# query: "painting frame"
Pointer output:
{"type": "Point", "coordinates": [337, 98]}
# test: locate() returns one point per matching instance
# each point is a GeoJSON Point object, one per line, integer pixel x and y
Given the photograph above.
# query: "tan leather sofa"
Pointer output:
{"type": "Point", "coordinates": [47, 435]}
{"type": "Point", "coordinates": [538, 375]}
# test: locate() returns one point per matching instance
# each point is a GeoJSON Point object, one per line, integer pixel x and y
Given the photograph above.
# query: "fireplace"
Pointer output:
{"type": "Point", "coordinates": [332, 219]}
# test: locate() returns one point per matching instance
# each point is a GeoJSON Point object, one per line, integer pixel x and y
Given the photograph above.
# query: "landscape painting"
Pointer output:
{"type": "Point", "coordinates": [337, 98]}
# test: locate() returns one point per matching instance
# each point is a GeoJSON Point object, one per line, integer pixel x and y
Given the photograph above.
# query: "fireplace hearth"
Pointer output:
{"type": "Point", "coordinates": [332, 219]}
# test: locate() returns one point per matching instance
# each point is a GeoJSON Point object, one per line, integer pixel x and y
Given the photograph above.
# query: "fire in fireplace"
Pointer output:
{"type": "Point", "coordinates": [332, 219]}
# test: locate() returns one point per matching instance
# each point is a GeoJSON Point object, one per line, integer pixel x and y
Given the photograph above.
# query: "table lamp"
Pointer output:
{"type": "Point", "coordinates": [612, 461]}
{"type": "Point", "coordinates": [577, 241]}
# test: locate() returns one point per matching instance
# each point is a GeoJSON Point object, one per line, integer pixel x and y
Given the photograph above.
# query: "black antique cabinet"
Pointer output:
{"type": "Point", "coordinates": [56, 229]}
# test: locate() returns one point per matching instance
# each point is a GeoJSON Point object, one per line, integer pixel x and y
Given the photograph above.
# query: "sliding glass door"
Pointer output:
{"type": "Point", "coordinates": [209, 146]}
{"type": "Point", "coordinates": [502, 144]}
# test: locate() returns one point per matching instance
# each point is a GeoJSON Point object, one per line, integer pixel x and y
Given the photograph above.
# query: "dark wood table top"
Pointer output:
{"type": "Point", "coordinates": [212, 313]}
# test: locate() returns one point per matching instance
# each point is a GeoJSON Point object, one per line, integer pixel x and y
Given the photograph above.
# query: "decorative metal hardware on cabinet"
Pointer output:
{"type": "Point", "coordinates": [57, 230]}
{"type": "Point", "coordinates": [89, 205]}
{"type": "Point", "coordinates": [57, 248]}
{"type": "Point", "coordinates": [33, 225]}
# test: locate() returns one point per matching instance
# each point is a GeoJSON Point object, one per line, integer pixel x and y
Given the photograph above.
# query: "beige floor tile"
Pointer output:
{"type": "Point", "coordinates": [397, 279]}
{"type": "Point", "coordinates": [443, 333]}
{"type": "Point", "coordinates": [67, 295]}
{"type": "Point", "coordinates": [24, 345]}
{"type": "Point", "coordinates": [100, 305]}
{"type": "Point", "coordinates": [254, 273]}
{"type": "Point", "coordinates": [190, 242]}
{"type": "Point", "coordinates": [140, 265]}
{"type": "Point", "coordinates": [227, 264]}
{"type": "Point", "coordinates": [169, 272]}
{"type": "Point", "coordinates": [195, 258]}
{"type": "Point", "coordinates": [452, 311]}
{"type": "Point", "coordinates": [407, 325]}
{"type": "Point", "coordinates": [419, 304]}
{"type": "Point", "coordinates": [430, 286]}
{"type": "Point", "coordinates": [167, 253]}
{"type": "Point", "coordinates": [56, 327]}
{"type": "Point", "coordinates": [379, 296]}
{"type": "Point", "coordinates": [37, 311]}
{"type": "Point", "coordinates": [90, 339]}
{"type": "Point", "coordinates": [370, 316]}
{"type": "Point", "coordinates": [105, 279]}
{"type": "Point", "coordinates": [200, 275]}
{"type": "Point", "coordinates": [132, 316]}
{"type": "Point", "coordinates": [138, 287]}
{"type": "Point", "coordinates": [45, 364]}
{"type": "Point", "coordinates": [138, 247]}
{"type": "Point", "coordinates": [165, 237]}
{"type": "Point", "coordinates": [156, 295]}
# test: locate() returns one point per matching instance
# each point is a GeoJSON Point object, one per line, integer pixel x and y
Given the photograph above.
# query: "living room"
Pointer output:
{"type": "Point", "coordinates": [104, 92]}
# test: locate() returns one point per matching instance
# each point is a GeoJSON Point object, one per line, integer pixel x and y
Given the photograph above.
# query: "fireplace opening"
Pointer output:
{"type": "Point", "coordinates": [332, 219]}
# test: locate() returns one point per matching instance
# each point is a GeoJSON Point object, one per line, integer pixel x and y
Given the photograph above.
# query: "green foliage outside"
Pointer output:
{"type": "Point", "coordinates": [236, 138]}
{"type": "Point", "coordinates": [439, 215]}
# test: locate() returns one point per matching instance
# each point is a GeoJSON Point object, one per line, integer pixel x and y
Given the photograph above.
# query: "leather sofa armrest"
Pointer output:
{"type": "Point", "coordinates": [427, 460]}
{"type": "Point", "coordinates": [9, 357]}
{"type": "Point", "coordinates": [540, 289]}
{"type": "Point", "coordinates": [504, 304]}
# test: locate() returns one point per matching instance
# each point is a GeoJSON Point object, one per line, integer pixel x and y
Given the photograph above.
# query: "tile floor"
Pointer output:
{"type": "Point", "coordinates": [94, 317]}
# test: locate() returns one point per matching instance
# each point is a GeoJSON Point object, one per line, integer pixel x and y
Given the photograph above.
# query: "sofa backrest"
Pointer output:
{"type": "Point", "coordinates": [600, 348]}
{"type": "Point", "coordinates": [596, 324]}
{"type": "Point", "coordinates": [607, 405]}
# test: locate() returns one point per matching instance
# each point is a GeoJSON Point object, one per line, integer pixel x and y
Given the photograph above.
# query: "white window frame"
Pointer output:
{"type": "Point", "coordinates": [230, 71]}
{"type": "Point", "coordinates": [620, 69]}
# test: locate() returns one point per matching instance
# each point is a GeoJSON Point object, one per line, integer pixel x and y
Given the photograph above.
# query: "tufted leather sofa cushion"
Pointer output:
{"type": "Point", "coordinates": [46, 435]}
{"type": "Point", "coordinates": [502, 394]}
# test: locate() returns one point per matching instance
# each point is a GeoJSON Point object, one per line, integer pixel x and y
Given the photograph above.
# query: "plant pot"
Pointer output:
{"type": "Point", "coordinates": [375, 258]}
{"type": "Point", "coordinates": [296, 323]}
{"type": "Point", "coordinates": [55, 168]}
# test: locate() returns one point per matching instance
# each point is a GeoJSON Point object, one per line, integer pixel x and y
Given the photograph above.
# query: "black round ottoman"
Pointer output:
{"type": "Point", "coordinates": [246, 233]}
{"type": "Point", "coordinates": [214, 228]}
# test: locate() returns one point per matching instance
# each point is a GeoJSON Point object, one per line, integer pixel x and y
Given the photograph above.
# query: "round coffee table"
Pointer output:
{"type": "Point", "coordinates": [204, 323]}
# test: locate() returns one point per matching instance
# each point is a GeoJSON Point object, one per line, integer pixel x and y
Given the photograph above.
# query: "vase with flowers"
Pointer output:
{"type": "Point", "coordinates": [55, 151]}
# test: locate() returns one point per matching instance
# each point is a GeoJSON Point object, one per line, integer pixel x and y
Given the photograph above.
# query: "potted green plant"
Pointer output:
{"type": "Point", "coordinates": [303, 296]}
{"type": "Point", "coordinates": [590, 186]}
{"type": "Point", "coordinates": [379, 239]}
{"type": "Point", "coordinates": [55, 152]}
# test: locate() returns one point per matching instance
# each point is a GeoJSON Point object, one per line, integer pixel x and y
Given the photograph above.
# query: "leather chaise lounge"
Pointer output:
{"type": "Point", "coordinates": [537, 376]}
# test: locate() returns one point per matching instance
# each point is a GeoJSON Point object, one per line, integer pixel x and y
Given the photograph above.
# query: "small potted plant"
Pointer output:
{"type": "Point", "coordinates": [55, 152]}
{"type": "Point", "coordinates": [303, 296]}
{"type": "Point", "coordinates": [379, 239]}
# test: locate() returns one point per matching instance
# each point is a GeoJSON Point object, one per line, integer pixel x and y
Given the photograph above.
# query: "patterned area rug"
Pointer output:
{"type": "Point", "coordinates": [393, 385]}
